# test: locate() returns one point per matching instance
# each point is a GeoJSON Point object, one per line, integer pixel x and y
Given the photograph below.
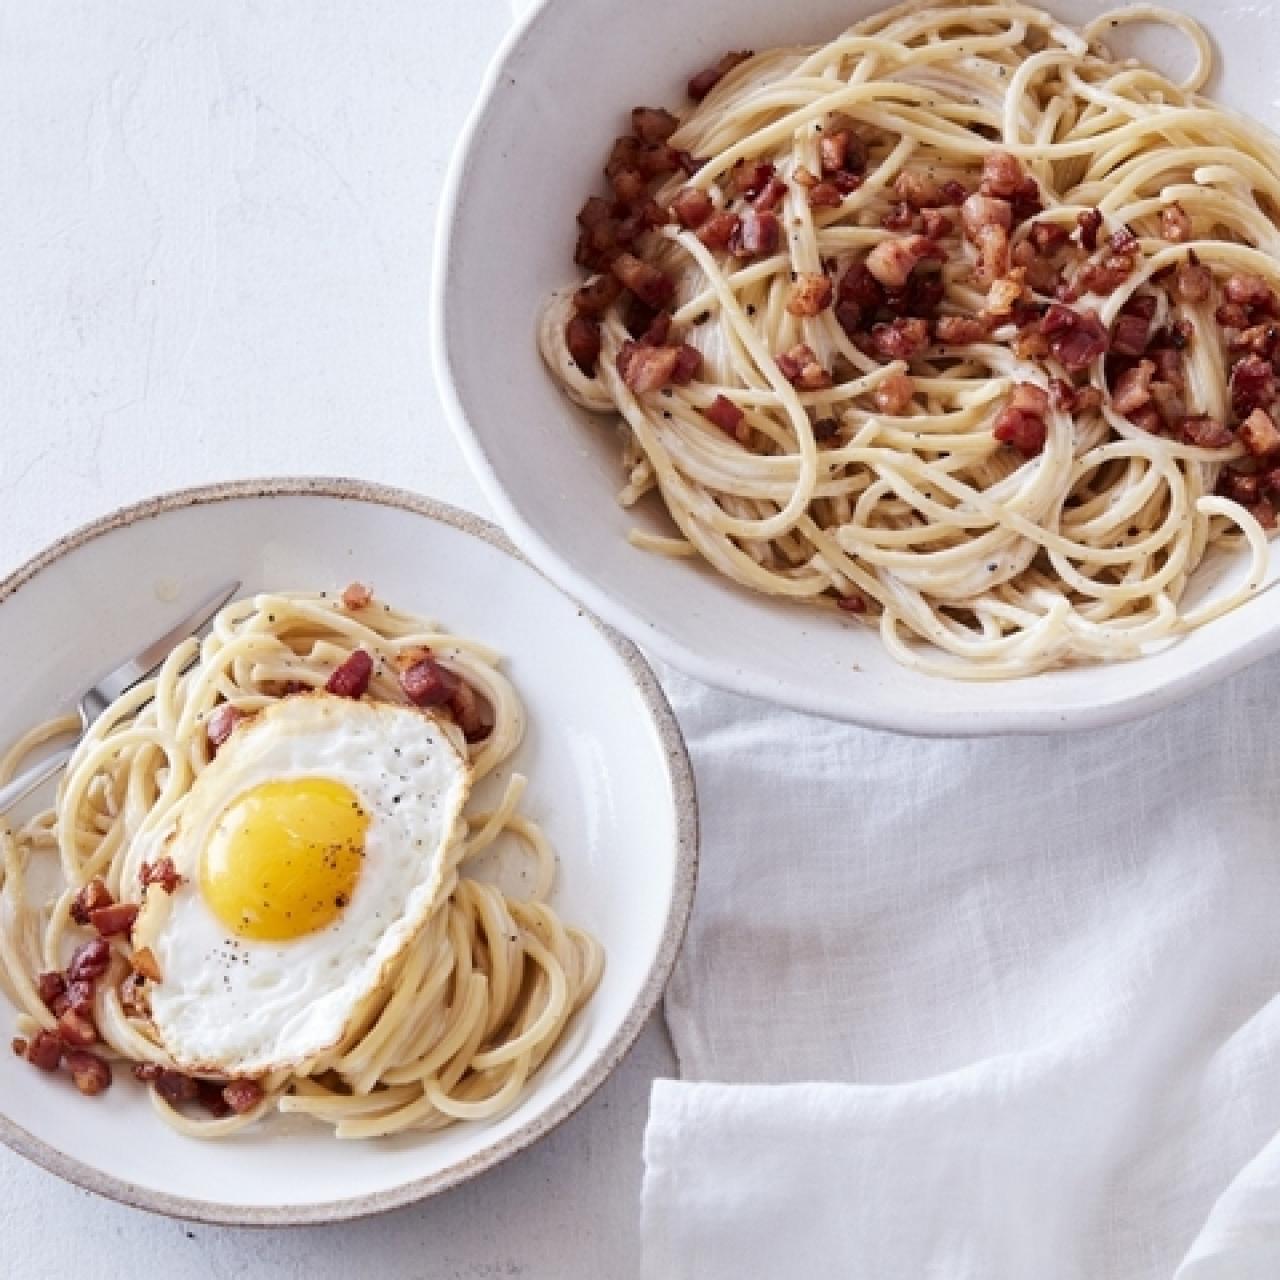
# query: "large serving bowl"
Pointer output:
{"type": "Point", "coordinates": [554, 99]}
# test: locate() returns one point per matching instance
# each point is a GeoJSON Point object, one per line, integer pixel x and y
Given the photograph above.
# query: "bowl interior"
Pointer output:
{"type": "Point", "coordinates": [554, 101]}
{"type": "Point", "coordinates": [606, 779]}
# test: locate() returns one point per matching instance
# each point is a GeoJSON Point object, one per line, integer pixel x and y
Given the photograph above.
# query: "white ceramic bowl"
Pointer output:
{"type": "Point", "coordinates": [608, 780]}
{"type": "Point", "coordinates": [554, 98]}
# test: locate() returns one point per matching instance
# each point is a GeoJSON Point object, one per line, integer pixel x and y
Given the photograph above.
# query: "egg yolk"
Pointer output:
{"type": "Point", "coordinates": [284, 858]}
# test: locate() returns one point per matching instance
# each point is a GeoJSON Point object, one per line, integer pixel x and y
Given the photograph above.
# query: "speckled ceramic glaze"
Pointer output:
{"type": "Point", "coordinates": [609, 781]}
{"type": "Point", "coordinates": [552, 472]}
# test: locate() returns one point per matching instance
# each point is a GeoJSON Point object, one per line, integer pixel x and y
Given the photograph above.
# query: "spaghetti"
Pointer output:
{"type": "Point", "coordinates": [956, 322]}
{"type": "Point", "coordinates": [471, 1008]}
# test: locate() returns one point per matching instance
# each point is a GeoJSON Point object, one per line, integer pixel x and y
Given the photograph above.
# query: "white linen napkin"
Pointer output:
{"type": "Point", "coordinates": [1039, 975]}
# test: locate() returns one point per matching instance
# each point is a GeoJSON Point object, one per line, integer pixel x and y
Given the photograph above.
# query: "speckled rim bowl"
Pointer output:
{"type": "Point", "coordinates": [636, 687]}
{"type": "Point", "coordinates": [554, 98]}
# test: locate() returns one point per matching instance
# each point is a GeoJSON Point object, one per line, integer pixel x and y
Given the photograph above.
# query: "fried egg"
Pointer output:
{"type": "Point", "coordinates": [312, 850]}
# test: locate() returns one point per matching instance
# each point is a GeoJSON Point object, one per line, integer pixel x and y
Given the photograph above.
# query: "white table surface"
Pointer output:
{"type": "Point", "coordinates": [215, 243]}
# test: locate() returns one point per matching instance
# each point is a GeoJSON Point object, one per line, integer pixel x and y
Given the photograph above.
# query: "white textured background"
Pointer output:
{"type": "Point", "coordinates": [215, 235]}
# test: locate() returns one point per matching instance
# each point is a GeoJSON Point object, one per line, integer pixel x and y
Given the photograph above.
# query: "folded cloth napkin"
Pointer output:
{"type": "Point", "coordinates": [1037, 974]}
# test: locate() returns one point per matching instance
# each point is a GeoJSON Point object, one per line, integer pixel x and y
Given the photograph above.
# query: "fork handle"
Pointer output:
{"type": "Point", "coordinates": [29, 779]}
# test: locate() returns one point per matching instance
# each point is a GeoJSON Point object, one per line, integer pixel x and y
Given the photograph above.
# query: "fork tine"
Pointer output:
{"type": "Point", "coordinates": [128, 673]}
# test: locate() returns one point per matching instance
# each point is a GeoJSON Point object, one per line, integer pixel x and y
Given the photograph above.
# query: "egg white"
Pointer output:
{"type": "Point", "coordinates": [232, 1005]}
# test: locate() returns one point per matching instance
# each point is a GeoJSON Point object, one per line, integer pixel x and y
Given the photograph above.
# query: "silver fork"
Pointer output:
{"type": "Point", "coordinates": [100, 696]}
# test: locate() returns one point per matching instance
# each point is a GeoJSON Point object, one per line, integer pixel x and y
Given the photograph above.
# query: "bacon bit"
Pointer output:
{"type": "Point", "coordinates": [860, 287]}
{"type": "Point", "coordinates": [980, 211]}
{"type": "Point", "coordinates": [1168, 366]}
{"type": "Point", "coordinates": [1076, 338]}
{"type": "Point", "coordinates": [1133, 388]}
{"type": "Point", "coordinates": [1002, 175]}
{"type": "Point", "coordinates": [210, 1098]}
{"type": "Point", "coordinates": [1248, 291]}
{"type": "Point", "coordinates": [692, 207]}
{"type": "Point", "coordinates": [1040, 272]}
{"type": "Point", "coordinates": [596, 212]}
{"type": "Point", "coordinates": [428, 683]}
{"type": "Point", "coordinates": [1103, 277]}
{"type": "Point", "coordinates": [758, 233]}
{"type": "Point", "coordinates": [1123, 242]}
{"type": "Point", "coordinates": [89, 1072]}
{"type": "Point", "coordinates": [629, 185]}
{"type": "Point", "coordinates": [936, 224]}
{"type": "Point", "coordinates": [688, 362]}
{"type": "Point", "coordinates": [1260, 435]}
{"type": "Point", "coordinates": [351, 678]}
{"type": "Point", "coordinates": [650, 285]}
{"type": "Point", "coordinates": [851, 604]}
{"type": "Point", "coordinates": [1048, 237]}
{"type": "Point", "coordinates": [992, 243]}
{"type": "Point", "coordinates": [811, 294]}
{"type": "Point", "coordinates": [918, 190]}
{"type": "Point", "coordinates": [845, 183]}
{"type": "Point", "coordinates": [644, 367]}
{"type": "Point", "coordinates": [1027, 397]}
{"type": "Point", "coordinates": [1168, 401]}
{"type": "Point", "coordinates": [958, 330]}
{"type": "Point", "coordinates": [51, 987]}
{"type": "Point", "coordinates": [76, 1030]}
{"type": "Point", "coordinates": [954, 193]}
{"type": "Point", "coordinates": [44, 1051]}
{"type": "Point", "coordinates": [89, 960]}
{"type": "Point", "coordinates": [1090, 224]}
{"type": "Point", "coordinates": [891, 262]}
{"type": "Point", "coordinates": [772, 196]}
{"type": "Point", "coordinates": [1205, 432]}
{"type": "Point", "coordinates": [804, 177]}
{"type": "Point", "coordinates": [1232, 315]}
{"type": "Point", "coordinates": [1175, 223]}
{"type": "Point", "coordinates": [1253, 384]}
{"type": "Point", "coordinates": [115, 919]}
{"type": "Point", "coordinates": [582, 338]}
{"type": "Point", "coordinates": [826, 195]}
{"type": "Point", "coordinates": [901, 217]}
{"type": "Point", "coordinates": [1261, 339]}
{"type": "Point", "coordinates": [719, 231]}
{"type": "Point", "coordinates": [357, 596]}
{"type": "Point", "coordinates": [1147, 419]}
{"type": "Point", "coordinates": [78, 998]}
{"type": "Point", "coordinates": [726, 415]}
{"type": "Point", "coordinates": [242, 1095]}
{"type": "Point", "coordinates": [1241, 488]}
{"type": "Point", "coordinates": [1023, 431]}
{"type": "Point", "coordinates": [1007, 292]}
{"type": "Point", "coordinates": [895, 394]}
{"type": "Point", "coordinates": [174, 1087]}
{"type": "Point", "coordinates": [161, 872]}
{"type": "Point", "coordinates": [1062, 395]}
{"type": "Point", "coordinates": [653, 124]}
{"type": "Point", "coordinates": [832, 149]}
{"type": "Point", "coordinates": [701, 84]}
{"type": "Point", "coordinates": [751, 179]}
{"type": "Point", "coordinates": [1264, 513]}
{"type": "Point", "coordinates": [800, 367]}
{"type": "Point", "coordinates": [1130, 334]}
{"type": "Point", "coordinates": [94, 895]}
{"type": "Point", "coordinates": [906, 337]}
{"type": "Point", "coordinates": [1193, 281]}
{"type": "Point", "coordinates": [825, 429]}
{"type": "Point", "coordinates": [144, 962]}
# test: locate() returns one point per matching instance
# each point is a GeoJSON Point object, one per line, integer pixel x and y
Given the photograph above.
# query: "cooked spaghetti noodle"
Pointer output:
{"type": "Point", "coordinates": [843, 308]}
{"type": "Point", "coordinates": [471, 1007]}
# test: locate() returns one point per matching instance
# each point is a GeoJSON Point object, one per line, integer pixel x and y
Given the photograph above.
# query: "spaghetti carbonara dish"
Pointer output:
{"type": "Point", "coordinates": [256, 888]}
{"type": "Point", "coordinates": [958, 324]}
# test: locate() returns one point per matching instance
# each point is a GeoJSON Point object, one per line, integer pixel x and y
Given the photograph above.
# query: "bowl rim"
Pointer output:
{"type": "Point", "coordinates": [684, 801]}
{"type": "Point", "coordinates": [842, 706]}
